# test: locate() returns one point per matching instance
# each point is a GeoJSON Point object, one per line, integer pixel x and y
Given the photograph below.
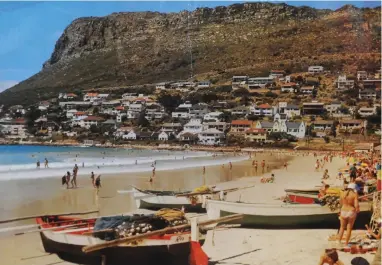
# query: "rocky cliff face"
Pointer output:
{"type": "Point", "coordinates": [142, 47]}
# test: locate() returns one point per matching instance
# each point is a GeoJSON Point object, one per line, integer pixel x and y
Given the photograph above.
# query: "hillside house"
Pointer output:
{"type": "Point", "coordinates": [361, 75]}
{"type": "Point", "coordinates": [181, 113]}
{"type": "Point", "coordinates": [221, 126]}
{"type": "Point", "coordinates": [203, 84]}
{"type": "Point", "coordinates": [321, 126]}
{"type": "Point", "coordinates": [163, 86]}
{"type": "Point", "coordinates": [367, 94]}
{"type": "Point", "coordinates": [315, 69]}
{"type": "Point", "coordinates": [120, 117]}
{"type": "Point", "coordinates": [211, 137]}
{"type": "Point", "coordinates": [260, 82]}
{"type": "Point", "coordinates": [333, 107]}
{"type": "Point", "coordinates": [14, 128]}
{"type": "Point", "coordinates": [277, 73]}
{"type": "Point", "coordinates": [371, 84]}
{"type": "Point", "coordinates": [188, 138]}
{"type": "Point", "coordinates": [67, 96]}
{"type": "Point", "coordinates": [194, 126]}
{"type": "Point", "coordinates": [290, 110]}
{"type": "Point", "coordinates": [307, 89]}
{"type": "Point", "coordinates": [89, 121]}
{"type": "Point", "coordinates": [289, 87]}
{"type": "Point", "coordinates": [75, 104]}
{"type": "Point", "coordinates": [255, 135]}
{"type": "Point", "coordinates": [313, 108]}
{"type": "Point", "coordinates": [266, 125]}
{"type": "Point", "coordinates": [198, 111]}
{"type": "Point", "coordinates": [136, 134]}
{"type": "Point", "coordinates": [263, 110]}
{"type": "Point", "coordinates": [213, 116]}
{"type": "Point", "coordinates": [239, 81]}
{"type": "Point", "coordinates": [171, 128]}
{"type": "Point", "coordinates": [129, 96]}
{"type": "Point", "coordinates": [351, 124]}
{"type": "Point", "coordinates": [366, 112]}
{"type": "Point", "coordinates": [240, 111]}
{"type": "Point", "coordinates": [240, 126]}
{"type": "Point", "coordinates": [163, 136]}
{"type": "Point", "coordinates": [343, 84]}
{"type": "Point", "coordinates": [90, 97]}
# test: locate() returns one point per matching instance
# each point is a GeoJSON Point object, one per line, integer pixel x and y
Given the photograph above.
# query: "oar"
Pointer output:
{"type": "Point", "coordinates": [50, 228]}
{"type": "Point", "coordinates": [91, 248]}
{"type": "Point", "coordinates": [43, 215]}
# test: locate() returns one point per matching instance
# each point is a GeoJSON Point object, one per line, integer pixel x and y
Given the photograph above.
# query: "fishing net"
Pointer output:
{"type": "Point", "coordinates": [333, 202]}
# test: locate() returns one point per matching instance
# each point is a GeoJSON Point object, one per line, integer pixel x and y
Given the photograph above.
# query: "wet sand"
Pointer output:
{"type": "Point", "coordinates": [233, 246]}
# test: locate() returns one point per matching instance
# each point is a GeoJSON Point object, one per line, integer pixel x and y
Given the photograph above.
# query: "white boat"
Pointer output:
{"type": "Point", "coordinates": [156, 200]}
{"type": "Point", "coordinates": [282, 215]}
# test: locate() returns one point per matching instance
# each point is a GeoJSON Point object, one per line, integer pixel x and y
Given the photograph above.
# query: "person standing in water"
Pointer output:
{"type": "Point", "coordinates": [204, 170]}
{"type": "Point", "coordinates": [38, 164]}
{"type": "Point", "coordinates": [46, 163]}
{"type": "Point", "coordinates": [92, 177]}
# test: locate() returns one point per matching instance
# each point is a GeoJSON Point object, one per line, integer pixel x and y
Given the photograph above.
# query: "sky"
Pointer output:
{"type": "Point", "coordinates": [29, 30]}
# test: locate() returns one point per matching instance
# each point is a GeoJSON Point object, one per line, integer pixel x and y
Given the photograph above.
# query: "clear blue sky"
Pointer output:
{"type": "Point", "coordinates": [29, 30]}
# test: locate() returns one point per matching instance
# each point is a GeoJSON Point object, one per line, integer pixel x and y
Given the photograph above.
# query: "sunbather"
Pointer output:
{"type": "Point", "coordinates": [330, 257]}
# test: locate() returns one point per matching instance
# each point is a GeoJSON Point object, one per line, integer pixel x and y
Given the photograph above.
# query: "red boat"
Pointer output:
{"type": "Point", "coordinates": [310, 196]}
{"type": "Point", "coordinates": [67, 236]}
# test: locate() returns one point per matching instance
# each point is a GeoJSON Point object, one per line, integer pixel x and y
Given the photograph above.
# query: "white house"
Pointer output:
{"type": "Point", "coordinates": [194, 126]}
{"type": "Point", "coordinates": [199, 110]}
{"type": "Point", "coordinates": [333, 107]}
{"type": "Point", "coordinates": [289, 87]}
{"type": "Point", "coordinates": [89, 121]}
{"type": "Point", "coordinates": [120, 116]}
{"type": "Point", "coordinates": [259, 82]}
{"type": "Point", "coordinates": [296, 129]}
{"type": "Point", "coordinates": [343, 84]}
{"type": "Point", "coordinates": [367, 94]}
{"type": "Point", "coordinates": [70, 113]}
{"type": "Point", "coordinates": [90, 97]}
{"type": "Point", "coordinates": [263, 110]}
{"type": "Point", "coordinates": [163, 136]}
{"type": "Point", "coordinates": [277, 73]}
{"type": "Point", "coordinates": [203, 84]}
{"type": "Point", "coordinates": [361, 75]}
{"type": "Point", "coordinates": [67, 95]}
{"type": "Point", "coordinates": [211, 137]}
{"type": "Point", "coordinates": [240, 111]}
{"type": "Point", "coordinates": [315, 69]}
{"type": "Point", "coordinates": [220, 125]}
{"type": "Point", "coordinates": [213, 116]}
{"type": "Point", "coordinates": [289, 109]}
{"type": "Point", "coordinates": [15, 128]}
{"type": "Point", "coordinates": [130, 136]}
{"type": "Point", "coordinates": [136, 107]}
{"type": "Point", "coordinates": [171, 128]}
{"type": "Point", "coordinates": [182, 111]}
{"type": "Point", "coordinates": [239, 81]}
{"type": "Point", "coordinates": [307, 89]}
{"type": "Point", "coordinates": [365, 112]}
{"type": "Point", "coordinates": [163, 85]}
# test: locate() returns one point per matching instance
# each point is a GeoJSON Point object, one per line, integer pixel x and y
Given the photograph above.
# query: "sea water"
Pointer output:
{"type": "Point", "coordinates": [19, 161]}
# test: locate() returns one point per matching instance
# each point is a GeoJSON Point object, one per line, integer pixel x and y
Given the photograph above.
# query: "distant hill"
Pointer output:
{"type": "Point", "coordinates": [144, 47]}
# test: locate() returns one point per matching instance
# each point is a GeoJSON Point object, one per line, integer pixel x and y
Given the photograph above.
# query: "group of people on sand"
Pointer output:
{"type": "Point", "coordinates": [72, 179]}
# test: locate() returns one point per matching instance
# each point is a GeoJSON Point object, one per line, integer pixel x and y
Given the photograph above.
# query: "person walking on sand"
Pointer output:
{"type": "Point", "coordinates": [204, 170]}
{"type": "Point", "coordinates": [38, 164]}
{"type": "Point", "coordinates": [92, 177]}
{"type": "Point", "coordinates": [46, 163]}
{"type": "Point", "coordinates": [262, 165]}
{"type": "Point", "coordinates": [348, 213]}
{"type": "Point", "coordinates": [74, 179]}
{"type": "Point", "coordinates": [286, 165]}
{"type": "Point", "coordinates": [151, 179]}
{"type": "Point", "coordinates": [317, 165]}
{"type": "Point", "coordinates": [67, 179]}
{"type": "Point", "coordinates": [230, 165]}
{"type": "Point", "coordinates": [256, 166]}
{"type": "Point", "coordinates": [98, 183]}
{"type": "Point", "coordinates": [153, 172]}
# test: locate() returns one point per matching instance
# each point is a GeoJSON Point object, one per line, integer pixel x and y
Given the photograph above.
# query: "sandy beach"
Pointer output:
{"type": "Point", "coordinates": [223, 246]}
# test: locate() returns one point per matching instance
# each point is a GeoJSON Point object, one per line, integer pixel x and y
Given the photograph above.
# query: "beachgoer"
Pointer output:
{"type": "Point", "coordinates": [326, 174]}
{"type": "Point", "coordinates": [83, 164]}
{"type": "Point", "coordinates": [151, 179]}
{"type": "Point", "coordinates": [330, 257]}
{"type": "Point", "coordinates": [38, 164]}
{"type": "Point", "coordinates": [324, 189]}
{"type": "Point", "coordinates": [204, 170]}
{"type": "Point", "coordinates": [263, 165]}
{"type": "Point", "coordinates": [286, 165]}
{"type": "Point", "coordinates": [253, 163]}
{"type": "Point", "coordinates": [256, 166]}
{"type": "Point", "coordinates": [92, 177]}
{"type": "Point", "coordinates": [63, 180]}
{"type": "Point", "coordinates": [349, 210]}
{"type": "Point", "coordinates": [67, 179]}
{"type": "Point", "coordinates": [371, 234]}
{"type": "Point", "coordinates": [230, 165]}
{"type": "Point", "coordinates": [46, 163]}
{"type": "Point", "coordinates": [317, 165]}
{"type": "Point", "coordinates": [74, 179]}
{"type": "Point", "coordinates": [154, 172]}
{"type": "Point", "coordinates": [98, 183]}
{"type": "Point", "coordinates": [353, 172]}
{"type": "Point", "coordinates": [136, 162]}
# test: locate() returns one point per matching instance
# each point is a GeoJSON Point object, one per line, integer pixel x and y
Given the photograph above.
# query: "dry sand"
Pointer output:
{"type": "Point", "coordinates": [232, 246]}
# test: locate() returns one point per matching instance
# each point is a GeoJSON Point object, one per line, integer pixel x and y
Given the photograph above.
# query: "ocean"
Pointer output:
{"type": "Point", "coordinates": [19, 161]}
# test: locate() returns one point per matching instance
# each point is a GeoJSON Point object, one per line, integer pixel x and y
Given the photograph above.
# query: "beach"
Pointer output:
{"type": "Point", "coordinates": [223, 246]}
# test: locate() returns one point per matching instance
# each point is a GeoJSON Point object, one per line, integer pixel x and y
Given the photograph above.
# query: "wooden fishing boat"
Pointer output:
{"type": "Point", "coordinates": [284, 215]}
{"type": "Point", "coordinates": [67, 236]}
{"type": "Point", "coordinates": [156, 200]}
{"type": "Point", "coordinates": [302, 198]}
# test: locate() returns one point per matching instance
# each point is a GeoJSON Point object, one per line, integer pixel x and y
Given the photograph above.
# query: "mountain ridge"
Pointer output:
{"type": "Point", "coordinates": [128, 48]}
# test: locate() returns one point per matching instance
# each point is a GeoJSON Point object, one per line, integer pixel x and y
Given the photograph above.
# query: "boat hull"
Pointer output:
{"type": "Point", "coordinates": [121, 255]}
{"type": "Point", "coordinates": [152, 205]}
{"type": "Point", "coordinates": [283, 216]}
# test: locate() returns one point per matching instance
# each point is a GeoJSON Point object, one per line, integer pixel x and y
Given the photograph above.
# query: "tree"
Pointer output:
{"type": "Point", "coordinates": [95, 111]}
{"type": "Point", "coordinates": [169, 101]}
{"type": "Point", "coordinates": [270, 94]}
{"type": "Point", "coordinates": [94, 129]}
{"type": "Point", "coordinates": [31, 115]}
{"type": "Point", "coordinates": [142, 121]}
{"type": "Point", "coordinates": [241, 92]}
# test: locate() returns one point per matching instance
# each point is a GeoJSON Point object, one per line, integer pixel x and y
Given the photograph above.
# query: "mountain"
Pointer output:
{"type": "Point", "coordinates": [131, 48]}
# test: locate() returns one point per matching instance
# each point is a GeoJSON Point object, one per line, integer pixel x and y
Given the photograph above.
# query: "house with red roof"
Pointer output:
{"type": "Point", "coordinates": [264, 110]}
{"type": "Point", "coordinates": [255, 135]}
{"type": "Point", "coordinates": [241, 126]}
